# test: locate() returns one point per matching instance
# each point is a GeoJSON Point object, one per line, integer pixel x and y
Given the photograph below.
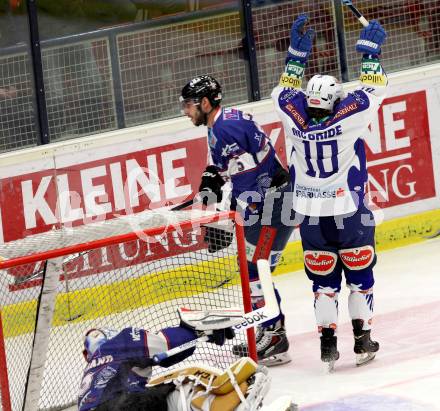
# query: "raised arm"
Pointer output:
{"type": "Point", "coordinates": [301, 42]}
{"type": "Point", "coordinates": [373, 77]}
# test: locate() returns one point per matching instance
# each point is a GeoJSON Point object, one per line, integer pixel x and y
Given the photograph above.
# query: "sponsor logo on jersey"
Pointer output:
{"type": "Point", "coordinates": [315, 192]}
{"type": "Point", "coordinates": [104, 377]}
{"type": "Point", "coordinates": [297, 116]}
{"type": "Point", "coordinates": [231, 114]}
{"type": "Point", "coordinates": [97, 362]}
{"type": "Point", "coordinates": [135, 334]}
{"type": "Point", "coordinates": [289, 94]}
{"type": "Point", "coordinates": [345, 110]}
{"type": "Point", "coordinates": [228, 149]}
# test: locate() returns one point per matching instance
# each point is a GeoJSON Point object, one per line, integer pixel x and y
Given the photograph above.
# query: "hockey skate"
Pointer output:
{"type": "Point", "coordinates": [272, 346]}
{"type": "Point", "coordinates": [329, 351]}
{"type": "Point", "coordinates": [364, 347]}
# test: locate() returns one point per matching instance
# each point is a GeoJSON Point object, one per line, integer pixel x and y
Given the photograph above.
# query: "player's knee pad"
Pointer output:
{"type": "Point", "coordinates": [358, 258]}
{"type": "Point", "coordinates": [361, 305]}
{"type": "Point", "coordinates": [326, 308]}
{"type": "Point", "coordinates": [319, 262]}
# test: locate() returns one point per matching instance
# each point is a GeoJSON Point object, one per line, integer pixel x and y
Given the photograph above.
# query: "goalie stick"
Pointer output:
{"type": "Point", "coordinates": [244, 321]}
{"type": "Point", "coordinates": [356, 12]}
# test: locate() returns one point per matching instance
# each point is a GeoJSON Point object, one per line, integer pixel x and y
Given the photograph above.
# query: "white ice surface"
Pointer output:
{"type": "Point", "coordinates": [405, 376]}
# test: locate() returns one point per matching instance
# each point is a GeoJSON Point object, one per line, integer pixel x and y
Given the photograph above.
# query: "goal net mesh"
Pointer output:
{"type": "Point", "coordinates": [132, 271]}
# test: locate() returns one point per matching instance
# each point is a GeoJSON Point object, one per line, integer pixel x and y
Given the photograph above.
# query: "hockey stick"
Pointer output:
{"type": "Point", "coordinates": [356, 12]}
{"type": "Point", "coordinates": [185, 204]}
{"type": "Point", "coordinates": [196, 199]}
{"type": "Point", "coordinates": [244, 321]}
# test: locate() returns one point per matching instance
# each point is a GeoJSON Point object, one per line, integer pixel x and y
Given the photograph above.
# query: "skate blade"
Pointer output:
{"type": "Point", "coordinates": [275, 360]}
{"type": "Point", "coordinates": [365, 358]}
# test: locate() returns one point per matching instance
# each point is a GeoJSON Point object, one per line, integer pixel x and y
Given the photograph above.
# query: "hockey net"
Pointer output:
{"type": "Point", "coordinates": [130, 271]}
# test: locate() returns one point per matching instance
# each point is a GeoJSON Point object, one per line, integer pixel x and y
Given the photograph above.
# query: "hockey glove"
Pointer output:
{"type": "Point", "coordinates": [217, 239]}
{"type": "Point", "coordinates": [212, 182]}
{"type": "Point", "coordinates": [212, 324]}
{"type": "Point", "coordinates": [218, 337]}
{"type": "Point", "coordinates": [371, 39]}
{"type": "Point", "coordinates": [300, 41]}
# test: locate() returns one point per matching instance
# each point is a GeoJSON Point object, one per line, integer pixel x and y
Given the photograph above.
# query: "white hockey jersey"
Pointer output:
{"type": "Point", "coordinates": [328, 162]}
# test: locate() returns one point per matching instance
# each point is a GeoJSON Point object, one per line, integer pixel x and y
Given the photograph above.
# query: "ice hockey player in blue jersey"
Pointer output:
{"type": "Point", "coordinates": [242, 154]}
{"type": "Point", "coordinates": [119, 367]}
{"type": "Point", "coordinates": [329, 174]}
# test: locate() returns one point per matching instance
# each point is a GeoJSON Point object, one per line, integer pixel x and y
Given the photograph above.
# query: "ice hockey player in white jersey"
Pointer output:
{"type": "Point", "coordinates": [117, 376]}
{"type": "Point", "coordinates": [329, 174]}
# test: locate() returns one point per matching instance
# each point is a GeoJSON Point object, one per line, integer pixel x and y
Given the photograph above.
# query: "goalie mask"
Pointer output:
{"type": "Point", "coordinates": [94, 338]}
{"type": "Point", "coordinates": [323, 92]}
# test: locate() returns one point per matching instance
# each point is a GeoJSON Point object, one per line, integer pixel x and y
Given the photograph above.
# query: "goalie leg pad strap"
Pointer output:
{"type": "Point", "coordinates": [219, 382]}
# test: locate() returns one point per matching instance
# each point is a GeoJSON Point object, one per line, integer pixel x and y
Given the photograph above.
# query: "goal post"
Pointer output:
{"type": "Point", "coordinates": [131, 271]}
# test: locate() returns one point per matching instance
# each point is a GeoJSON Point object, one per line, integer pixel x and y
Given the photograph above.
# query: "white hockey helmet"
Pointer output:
{"type": "Point", "coordinates": [94, 338]}
{"type": "Point", "coordinates": [323, 91]}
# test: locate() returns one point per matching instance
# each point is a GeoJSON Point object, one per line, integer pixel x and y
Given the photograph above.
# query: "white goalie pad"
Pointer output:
{"type": "Point", "coordinates": [207, 320]}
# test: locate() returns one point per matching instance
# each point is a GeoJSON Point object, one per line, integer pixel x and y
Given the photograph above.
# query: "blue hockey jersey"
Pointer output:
{"type": "Point", "coordinates": [244, 155]}
{"type": "Point", "coordinates": [123, 363]}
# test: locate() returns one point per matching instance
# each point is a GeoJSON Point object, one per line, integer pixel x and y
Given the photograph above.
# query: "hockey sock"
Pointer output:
{"type": "Point", "coordinates": [360, 305]}
{"type": "Point", "coordinates": [326, 308]}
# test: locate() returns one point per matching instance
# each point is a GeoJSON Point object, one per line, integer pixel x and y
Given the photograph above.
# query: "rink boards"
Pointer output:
{"type": "Point", "coordinates": [127, 171]}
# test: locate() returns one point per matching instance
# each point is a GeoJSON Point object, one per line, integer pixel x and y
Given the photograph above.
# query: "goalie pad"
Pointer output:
{"type": "Point", "coordinates": [240, 387]}
{"type": "Point", "coordinates": [217, 380]}
{"type": "Point", "coordinates": [209, 320]}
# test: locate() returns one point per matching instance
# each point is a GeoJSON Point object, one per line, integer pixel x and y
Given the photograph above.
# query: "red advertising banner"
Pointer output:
{"type": "Point", "coordinates": [398, 152]}
{"type": "Point", "coordinates": [112, 257]}
{"type": "Point", "coordinates": [103, 189]}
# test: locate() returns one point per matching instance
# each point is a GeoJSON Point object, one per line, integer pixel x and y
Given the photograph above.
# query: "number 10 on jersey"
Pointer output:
{"type": "Point", "coordinates": [321, 158]}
